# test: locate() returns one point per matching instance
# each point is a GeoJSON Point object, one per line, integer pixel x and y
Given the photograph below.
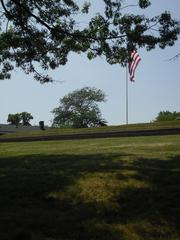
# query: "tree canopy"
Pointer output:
{"type": "Point", "coordinates": [14, 119]}
{"type": "Point", "coordinates": [26, 118]}
{"type": "Point", "coordinates": [23, 118]}
{"type": "Point", "coordinates": [79, 109]}
{"type": "Point", "coordinates": [167, 116]}
{"type": "Point", "coordinates": [39, 34]}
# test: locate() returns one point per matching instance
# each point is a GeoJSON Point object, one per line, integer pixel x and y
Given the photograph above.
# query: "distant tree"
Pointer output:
{"type": "Point", "coordinates": [26, 118]}
{"type": "Point", "coordinates": [79, 109]}
{"type": "Point", "coordinates": [14, 119]}
{"type": "Point", "coordinates": [167, 116]}
{"type": "Point", "coordinates": [20, 118]}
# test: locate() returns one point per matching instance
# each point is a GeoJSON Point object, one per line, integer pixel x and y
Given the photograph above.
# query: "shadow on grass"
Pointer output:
{"type": "Point", "coordinates": [41, 198]}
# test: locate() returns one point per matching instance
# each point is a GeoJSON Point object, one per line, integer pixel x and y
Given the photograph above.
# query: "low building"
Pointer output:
{"type": "Point", "coordinates": [8, 128]}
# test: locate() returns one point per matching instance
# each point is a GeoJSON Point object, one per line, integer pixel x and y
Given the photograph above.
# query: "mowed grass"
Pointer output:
{"type": "Point", "coordinates": [104, 189]}
{"type": "Point", "coordinates": [66, 131]}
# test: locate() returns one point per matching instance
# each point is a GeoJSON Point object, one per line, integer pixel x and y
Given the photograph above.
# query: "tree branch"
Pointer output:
{"type": "Point", "coordinates": [132, 5]}
{"type": "Point", "coordinates": [31, 14]}
{"type": "Point", "coordinates": [4, 7]}
{"type": "Point", "coordinates": [175, 57]}
{"type": "Point", "coordinates": [53, 30]}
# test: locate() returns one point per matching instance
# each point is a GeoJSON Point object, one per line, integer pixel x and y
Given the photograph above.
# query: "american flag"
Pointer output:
{"type": "Point", "coordinates": [135, 59]}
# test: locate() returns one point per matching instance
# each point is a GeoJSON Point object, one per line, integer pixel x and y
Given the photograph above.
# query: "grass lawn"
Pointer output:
{"type": "Point", "coordinates": [104, 189]}
{"type": "Point", "coordinates": [65, 131]}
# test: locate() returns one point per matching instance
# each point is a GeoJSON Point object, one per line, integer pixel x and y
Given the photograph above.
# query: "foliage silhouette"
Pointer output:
{"type": "Point", "coordinates": [43, 33]}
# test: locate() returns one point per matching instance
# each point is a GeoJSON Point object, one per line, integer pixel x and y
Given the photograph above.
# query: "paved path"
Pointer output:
{"type": "Point", "coordinates": [159, 132]}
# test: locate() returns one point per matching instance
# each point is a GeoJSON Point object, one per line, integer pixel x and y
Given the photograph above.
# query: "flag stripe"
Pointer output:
{"type": "Point", "coordinates": [133, 72]}
{"type": "Point", "coordinates": [130, 63]}
{"type": "Point", "coordinates": [133, 63]}
{"type": "Point", "coordinates": [135, 59]}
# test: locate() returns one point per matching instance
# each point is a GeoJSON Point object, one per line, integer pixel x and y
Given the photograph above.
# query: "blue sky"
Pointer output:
{"type": "Point", "coordinates": [156, 87]}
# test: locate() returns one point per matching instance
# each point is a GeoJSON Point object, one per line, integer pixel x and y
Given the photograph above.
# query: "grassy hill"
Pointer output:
{"type": "Point", "coordinates": [104, 189]}
{"type": "Point", "coordinates": [66, 131]}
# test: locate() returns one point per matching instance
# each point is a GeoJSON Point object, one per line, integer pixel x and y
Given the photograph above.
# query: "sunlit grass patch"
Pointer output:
{"type": "Point", "coordinates": [99, 188]}
{"type": "Point", "coordinates": [117, 189]}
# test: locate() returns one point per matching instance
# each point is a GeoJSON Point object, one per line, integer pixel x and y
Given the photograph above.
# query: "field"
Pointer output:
{"type": "Point", "coordinates": [104, 189]}
{"type": "Point", "coordinates": [66, 131]}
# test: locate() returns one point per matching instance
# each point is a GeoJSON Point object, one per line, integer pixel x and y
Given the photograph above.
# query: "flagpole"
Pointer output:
{"type": "Point", "coordinates": [127, 98]}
